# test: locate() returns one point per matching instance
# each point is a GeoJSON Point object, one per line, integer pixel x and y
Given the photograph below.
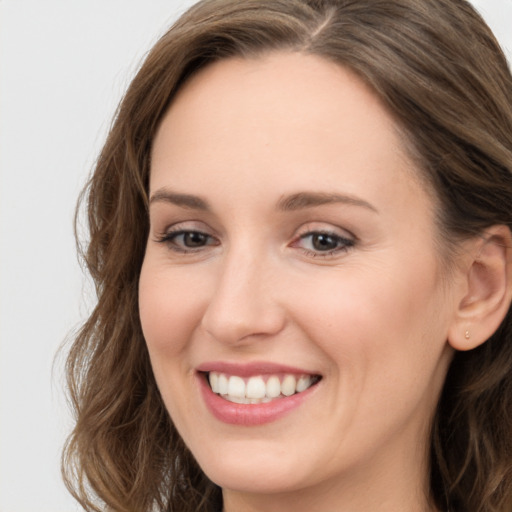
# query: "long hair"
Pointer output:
{"type": "Point", "coordinates": [445, 80]}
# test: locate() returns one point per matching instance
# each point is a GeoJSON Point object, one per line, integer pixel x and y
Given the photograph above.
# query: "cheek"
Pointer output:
{"type": "Point", "coordinates": [170, 309]}
{"type": "Point", "coordinates": [369, 316]}
{"type": "Point", "coordinates": [385, 339]}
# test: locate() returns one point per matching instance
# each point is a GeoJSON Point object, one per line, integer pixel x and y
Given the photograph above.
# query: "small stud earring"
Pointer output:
{"type": "Point", "coordinates": [467, 335]}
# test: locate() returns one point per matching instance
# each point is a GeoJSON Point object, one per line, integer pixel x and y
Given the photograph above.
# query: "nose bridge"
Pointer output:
{"type": "Point", "coordinates": [243, 302]}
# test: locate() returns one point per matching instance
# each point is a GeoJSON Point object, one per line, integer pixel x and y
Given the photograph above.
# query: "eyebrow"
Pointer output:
{"type": "Point", "coordinates": [293, 202]}
{"type": "Point", "coordinates": [184, 200]}
{"type": "Point", "coordinates": [303, 200]}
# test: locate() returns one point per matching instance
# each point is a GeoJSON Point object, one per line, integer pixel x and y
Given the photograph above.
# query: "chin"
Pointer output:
{"type": "Point", "coordinates": [254, 480]}
{"type": "Point", "coordinates": [254, 471]}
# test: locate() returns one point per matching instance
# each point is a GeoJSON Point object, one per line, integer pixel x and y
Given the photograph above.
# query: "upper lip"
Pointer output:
{"type": "Point", "coordinates": [252, 368]}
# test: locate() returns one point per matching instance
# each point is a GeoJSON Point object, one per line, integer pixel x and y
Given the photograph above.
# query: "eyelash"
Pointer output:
{"type": "Point", "coordinates": [169, 238]}
{"type": "Point", "coordinates": [343, 244]}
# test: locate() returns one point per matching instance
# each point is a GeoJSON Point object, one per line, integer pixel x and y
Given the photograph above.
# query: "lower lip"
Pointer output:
{"type": "Point", "coordinates": [250, 414]}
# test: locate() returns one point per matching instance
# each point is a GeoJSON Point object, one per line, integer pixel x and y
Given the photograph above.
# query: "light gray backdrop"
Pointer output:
{"type": "Point", "coordinates": [63, 67]}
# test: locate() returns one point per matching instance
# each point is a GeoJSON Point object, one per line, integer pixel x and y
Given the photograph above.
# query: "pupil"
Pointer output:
{"type": "Point", "coordinates": [194, 239]}
{"type": "Point", "coordinates": [324, 242]}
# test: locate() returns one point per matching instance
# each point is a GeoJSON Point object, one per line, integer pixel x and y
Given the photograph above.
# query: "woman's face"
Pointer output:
{"type": "Point", "coordinates": [292, 248]}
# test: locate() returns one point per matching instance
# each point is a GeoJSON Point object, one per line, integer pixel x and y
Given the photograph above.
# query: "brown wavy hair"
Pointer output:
{"type": "Point", "coordinates": [444, 78]}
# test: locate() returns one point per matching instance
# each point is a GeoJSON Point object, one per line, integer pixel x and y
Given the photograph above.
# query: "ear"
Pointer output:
{"type": "Point", "coordinates": [487, 289]}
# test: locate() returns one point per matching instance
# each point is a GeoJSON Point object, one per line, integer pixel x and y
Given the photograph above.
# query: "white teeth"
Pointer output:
{"type": "Point", "coordinates": [214, 381]}
{"type": "Point", "coordinates": [288, 385]}
{"type": "Point", "coordinates": [303, 383]}
{"type": "Point", "coordinates": [223, 384]}
{"type": "Point", "coordinates": [237, 399]}
{"type": "Point", "coordinates": [256, 390]}
{"type": "Point", "coordinates": [273, 387]}
{"type": "Point", "coordinates": [236, 387]}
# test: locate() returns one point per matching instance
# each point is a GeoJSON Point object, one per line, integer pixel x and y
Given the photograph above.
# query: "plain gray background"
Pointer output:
{"type": "Point", "coordinates": [63, 68]}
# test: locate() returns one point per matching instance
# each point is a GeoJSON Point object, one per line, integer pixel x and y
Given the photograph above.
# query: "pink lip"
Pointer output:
{"type": "Point", "coordinates": [249, 414]}
{"type": "Point", "coordinates": [250, 369]}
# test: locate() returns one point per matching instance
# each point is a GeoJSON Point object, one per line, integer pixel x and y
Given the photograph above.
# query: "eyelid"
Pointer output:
{"type": "Point", "coordinates": [182, 226]}
{"type": "Point", "coordinates": [327, 228]}
{"type": "Point", "coordinates": [169, 235]}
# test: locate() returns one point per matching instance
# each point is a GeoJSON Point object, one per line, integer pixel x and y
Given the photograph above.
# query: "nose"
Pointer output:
{"type": "Point", "coordinates": [244, 306]}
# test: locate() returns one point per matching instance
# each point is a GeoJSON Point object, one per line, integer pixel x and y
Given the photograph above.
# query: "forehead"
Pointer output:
{"type": "Point", "coordinates": [273, 92]}
{"type": "Point", "coordinates": [296, 121]}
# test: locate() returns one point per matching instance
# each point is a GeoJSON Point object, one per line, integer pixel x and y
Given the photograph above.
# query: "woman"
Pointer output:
{"type": "Point", "coordinates": [300, 236]}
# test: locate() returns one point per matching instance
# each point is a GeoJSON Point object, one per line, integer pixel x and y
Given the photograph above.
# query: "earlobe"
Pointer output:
{"type": "Point", "coordinates": [488, 290]}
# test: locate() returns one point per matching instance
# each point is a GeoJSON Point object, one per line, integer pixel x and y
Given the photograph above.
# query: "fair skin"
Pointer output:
{"type": "Point", "coordinates": [342, 282]}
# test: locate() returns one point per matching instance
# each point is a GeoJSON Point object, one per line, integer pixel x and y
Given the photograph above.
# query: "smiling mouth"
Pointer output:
{"type": "Point", "coordinates": [259, 389]}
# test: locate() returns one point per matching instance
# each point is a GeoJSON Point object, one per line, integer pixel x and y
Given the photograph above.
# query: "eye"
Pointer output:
{"type": "Point", "coordinates": [187, 240]}
{"type": "Point", "coordinates": [323, 243]}
{"type": "Point", "coordinates": [191, 239]}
